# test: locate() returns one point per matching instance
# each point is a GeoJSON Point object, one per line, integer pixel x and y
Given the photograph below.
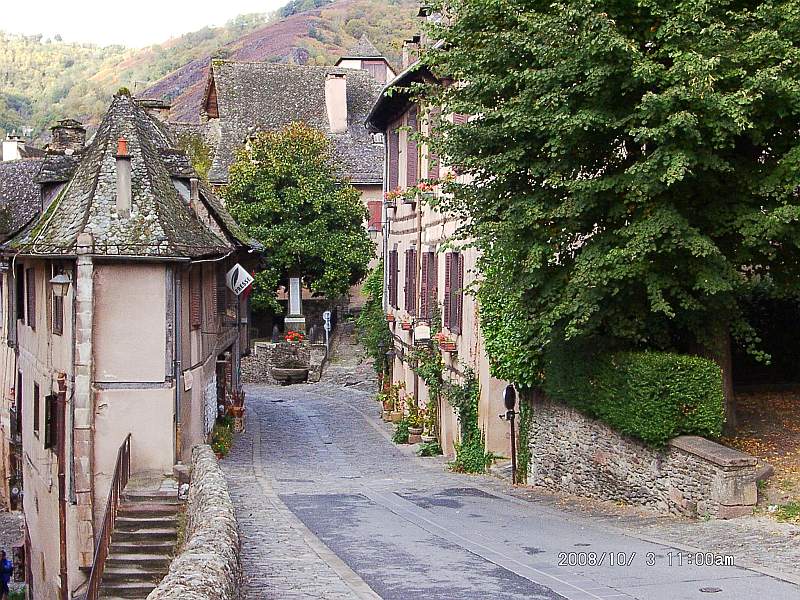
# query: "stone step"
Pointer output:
{"type": "Point", "coordinates": [142, 546]}
{"type": "Point", "coordinates": [131, 574]}
{"type": "Point", "coordinates": [136, 589]}
{"type": "Point", "coordinates": [138, 560]}
{"type": "Point", "coordinates": [154, 497]}
{"type": "Point", "coordinates": [132, 509]}
{"type": "Point", "coordinates": [133, 523]}
{"type": "Point", "coordinates": [160, 534]}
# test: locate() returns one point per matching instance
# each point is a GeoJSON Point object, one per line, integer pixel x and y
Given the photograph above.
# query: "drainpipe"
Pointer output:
{"type": "Point", "coordinates": [61, 404]}
{"type": "Point", "coordinates": [177, 287]}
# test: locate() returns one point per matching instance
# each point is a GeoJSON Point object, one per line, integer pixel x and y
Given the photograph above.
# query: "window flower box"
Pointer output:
{"type": "Point", "coordinates": [406, 325]}
{"type": "Point", "coordinates": [390, 198]}
{"type": "Point", "coordinates": [390, 318]}
{"type": "Point", "coordinates": [448, 346]}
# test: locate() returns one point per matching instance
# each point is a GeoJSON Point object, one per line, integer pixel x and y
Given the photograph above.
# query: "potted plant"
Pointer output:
{"type": "Point", "coordinates": [424, 191]}
{"type": "Point", "coordinates": [406, 325]}
{"type": "Point", "coordinates": [429, 423]}
{"type": "Point", "coordinates": [390, 318]}
{"type": "Point", "coordinates": [294, 337]}
{"type": "Point", "coordinates": [390, 198]}
{"type": "Point", "coordinates": [414, 416]}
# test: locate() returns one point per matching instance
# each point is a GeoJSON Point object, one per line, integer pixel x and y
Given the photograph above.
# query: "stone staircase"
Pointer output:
{"type": "Point", "coordinates": [143, 542]}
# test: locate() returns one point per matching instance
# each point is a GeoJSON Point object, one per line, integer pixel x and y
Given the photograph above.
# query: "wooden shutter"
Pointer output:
{"type": "Point", "coordinates": [393, 268]}
{"type": "Point", "coordinates": [375, 208]}
{"type": "Point", "coordinates": [448, 272]}
{"type": "Point", "coordinates": [457, 292]}
{"type": "Point", "coordinates": [30, 289]}
{"type": "Point", "coordinates": [376, 68]}
{"type": "Point", "coordinates": [433, 159]}
{"type": "Point", "coordinates": [196, 300]}
{"type": "Point", "coordinates": [36, 409]}
{"type": "Point", "coordinates": [19, 297]}
{"type": "Point", "coordinates": [58, 315]}
{"type": "Point", "coordinates": [412, 150]}
{"type": "Point", "coordinates": [433, 282]}
{"type": "Point", "coordinates": [424, 303]}
{"type": "Point", "coordinates": [394, 158]}
{"type": "Point", "coordinates": [51, 419]}
{"type": "Point", "coordinates": [222, 291]}
{"type": "Point", "coordinates": [411, 281]}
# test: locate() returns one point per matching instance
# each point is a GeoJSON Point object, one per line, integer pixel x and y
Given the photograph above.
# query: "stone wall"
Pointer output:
{"type": "Point", "coordinates": [208, 565]}
{"type": "Point", "coordinates": [692, 476]}
{"type": "Point", "coordinates": [256, 368]}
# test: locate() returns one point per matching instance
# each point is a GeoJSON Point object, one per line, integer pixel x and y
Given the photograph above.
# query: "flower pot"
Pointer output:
{"type": "Point", "coordinates": [427, 438]}
{"type": "Point", "coordinates": [390, 318]}
{"type": "Point", "coordinates": [414, 435]}
{"type": "Point", "coordinates": [386, 415]}
{"type": "Point", "coordinates": [396, 416]}
{"type": "Point", "coordinates": [406, 325]}
{"type": "Point", "coordinates": [448, 347]}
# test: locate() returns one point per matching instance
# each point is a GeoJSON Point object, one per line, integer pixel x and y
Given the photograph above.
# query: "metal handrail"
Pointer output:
{"type": "Point", "coordinates": [122, 472]}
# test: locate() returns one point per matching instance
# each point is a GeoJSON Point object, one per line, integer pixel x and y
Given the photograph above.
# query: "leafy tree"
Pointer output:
{"type": "Point", "coordinates": [373, 329]}
{"type": "Point", "coordinates": [635, 166]}
{"type": "Point", "coordinates": [284, 191]}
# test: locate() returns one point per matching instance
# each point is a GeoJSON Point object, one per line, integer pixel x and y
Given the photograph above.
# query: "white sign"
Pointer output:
{"type": "Point", "coordinates": [326, 316]}
{"type": "Point", "coordinates": [238, 279]}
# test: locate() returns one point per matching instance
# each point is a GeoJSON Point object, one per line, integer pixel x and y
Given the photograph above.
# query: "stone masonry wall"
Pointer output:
{"type": "Point", "coordinates": [256, 368]}
{"type": "Point", "coordinates": [692, 476]}
{"type": "Point", "coordinates": [207, 567]}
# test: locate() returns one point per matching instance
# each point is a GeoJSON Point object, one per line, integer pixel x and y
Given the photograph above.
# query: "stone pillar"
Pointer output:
{"type": "Point", "coordinates": [83, 467]}
{"type": "Point", "coordinates": [295, 321]}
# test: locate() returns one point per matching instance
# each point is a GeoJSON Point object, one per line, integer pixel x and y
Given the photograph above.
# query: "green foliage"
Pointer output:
{"type": "Point", "coordinates": [471, 455]}
{"type": "Point", "coordinates": [298, 6]}
{"type": "Point", "coordinates": [634, 166]}
{"type": "Point", "coordinates": [429, 449]}
{"type": "Point", "coordinates": [283, 190]}
{"type": "Point", "coordinates": [523, 439]}
{"type": "Point", "coordinates": [222, 436]}
{"type": "Point", "coordinates": [400, 435]}
{"type": "Point", "coordinates": [788, 513]}
{"type": "Point", "coordinates": [17, 594]}
{"type": "Point", "coordinates": [198, 151]}
{"type": "Point", "coordinates": [373, 330]}
{"type": "Point", "coordinates": [651, 396]}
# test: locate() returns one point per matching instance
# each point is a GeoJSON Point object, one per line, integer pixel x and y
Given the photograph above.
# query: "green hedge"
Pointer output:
{"type": "Point", "coordinates": [651, 396]}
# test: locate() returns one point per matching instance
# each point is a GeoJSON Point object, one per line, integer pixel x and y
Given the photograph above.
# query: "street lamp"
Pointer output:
{"type": "Point", "coordinates": [510, 401]}
{"type": "Point", "coordinates": [60, 284]}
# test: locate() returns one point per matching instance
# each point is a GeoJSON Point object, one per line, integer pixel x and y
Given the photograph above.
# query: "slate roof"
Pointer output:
{"type": "Point", "coordinates": [266, 96]}
{"type": "Point", "coordinates": [20, 196]}
{"type": "Point", "coordinates": [161, 223]}
{"type": "Point", "coordinates": [363, 49]}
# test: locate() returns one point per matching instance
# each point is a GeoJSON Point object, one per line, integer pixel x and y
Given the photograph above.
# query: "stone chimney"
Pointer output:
{"type": "Point", "coordinates": [13, 146]}
{"type": "Point", "coordinates": [123, 179]}
{"type": "Point", "coordinates": [411, 51]}
{"type": "Point", "coordinates": [158, 109]}
{"type": "Point", "coordinates": [336, 101]}
{"type": "Point", "coordinates": [68, 136]}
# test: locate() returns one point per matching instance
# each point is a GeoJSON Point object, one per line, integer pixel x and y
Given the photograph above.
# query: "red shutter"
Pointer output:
{"type": "Point", "coordinates": [433, 159]}
{"type": "Point", "coordinates": [393, 268]}
{"type": "Point", "coordinates": [413, 281]}
{"type": "Point", "coordinates": [375, 207]}
{"type": "Point", "coordinates": [457, 292]}
{"type": "Point", "coordinates": [394, 158]}
{"type": "Point", "coordinates": [424, 301]}
{"type": "Point", "coordinates": [448, 286]}
{"type": "Point", "coordinates": [433, 282]}
{"type": "Point", "coordinates": [195, 301]}
{"type": "Point", "coordinates": [412, 154]}
{"type": "Point", "coordinates": [407, 282]}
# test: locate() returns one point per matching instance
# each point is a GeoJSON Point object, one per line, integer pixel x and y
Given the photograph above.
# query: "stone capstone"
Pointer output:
{"type": "Point", "coordinates": [208, 565]}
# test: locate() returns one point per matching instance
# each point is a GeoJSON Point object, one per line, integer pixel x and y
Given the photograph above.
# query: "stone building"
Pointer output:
{"type": "Point", "coordinates": [422, 272]}
{"type": "Point", "coordinates": [117, 321]}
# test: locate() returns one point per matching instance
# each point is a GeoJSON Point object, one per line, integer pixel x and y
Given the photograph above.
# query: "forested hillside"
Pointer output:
{"type": "Point", "coordinates": [42, 79]}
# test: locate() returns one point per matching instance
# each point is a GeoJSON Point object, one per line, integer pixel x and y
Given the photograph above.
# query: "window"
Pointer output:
{"type": "Point", "coordinates": [428, 285]}
{"type": "Point", "coordinates": [453, 291]}
{"type": "Point", "coordinates": [36, 409]}
{"type": "Point", "coordinates": [394, 158]}
{"type": "Point", "coordinates": [375, 208]}
{"type": "Point", "coordinates": [393, 270]}
{"type": "Point", "coordinates": [411, 281]}
{"type": "Point", "coordinates": [196, 300]}
{"type": "Point", "coordinates": [18, 399]}
{"type": "Point", "coordinates": [58, 305]}
{"type": "Point", "coordinates": [19, 276]}
{"type": "Point", "coordinates": [51, 419]}
{"type": "Point", "coordinates": [30, 289]}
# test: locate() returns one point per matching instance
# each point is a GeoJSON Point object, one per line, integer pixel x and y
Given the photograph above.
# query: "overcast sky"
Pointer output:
{"type": "Point", "coordinates": [133, 23]}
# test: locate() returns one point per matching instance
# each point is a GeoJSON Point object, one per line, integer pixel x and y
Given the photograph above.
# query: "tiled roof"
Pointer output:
{"type": "Point", "coordinates": [20, 196]}
{"type": "Point", "coordinates": [266, 96]}
{"type": "Point", "coordinates": [364, 49]}
{"type": "Point", "coordinates": [161, 223]}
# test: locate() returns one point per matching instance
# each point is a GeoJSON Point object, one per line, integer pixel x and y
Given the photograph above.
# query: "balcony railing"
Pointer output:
{"type": "Point", "coordinates": [122, 472]}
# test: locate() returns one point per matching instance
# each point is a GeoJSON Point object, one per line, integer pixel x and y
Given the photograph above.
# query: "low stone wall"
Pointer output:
{"type": "Point", "coordinates": [257, 368]}
{"type": "Point", "coordinates": [692, 476]}
{"type": "Point", "coordinates": [208, 566]}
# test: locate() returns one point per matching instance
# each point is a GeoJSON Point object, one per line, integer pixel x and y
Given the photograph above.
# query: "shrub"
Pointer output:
{"type": "Point", "coordinates": [651, 396]}
{"type": "Point", "coordinates": [401, 433]}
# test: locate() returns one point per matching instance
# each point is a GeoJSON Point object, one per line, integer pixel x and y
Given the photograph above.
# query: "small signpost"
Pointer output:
{"type": "Point", "coordinates": [510, 401]}
{"type": "Point", "coordinates": [326, 317]}
{"type": "Point", "coordinates": [238, 279]}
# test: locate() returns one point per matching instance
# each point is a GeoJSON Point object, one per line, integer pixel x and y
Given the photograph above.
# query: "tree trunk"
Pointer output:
{"type": "Point", "coordinates": [723, 356]}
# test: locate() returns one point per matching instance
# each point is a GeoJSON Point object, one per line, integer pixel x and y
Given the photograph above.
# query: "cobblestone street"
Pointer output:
{"type": "Point", "coordinates": [330, 508]}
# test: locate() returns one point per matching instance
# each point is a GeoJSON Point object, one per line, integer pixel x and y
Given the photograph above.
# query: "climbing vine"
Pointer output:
{"type": "Point", "coordinates": [471, 455]}
{"type": "Point", "coordinates": [523, 438]}
{"type": "Point", "coordinates": [371, 323]}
